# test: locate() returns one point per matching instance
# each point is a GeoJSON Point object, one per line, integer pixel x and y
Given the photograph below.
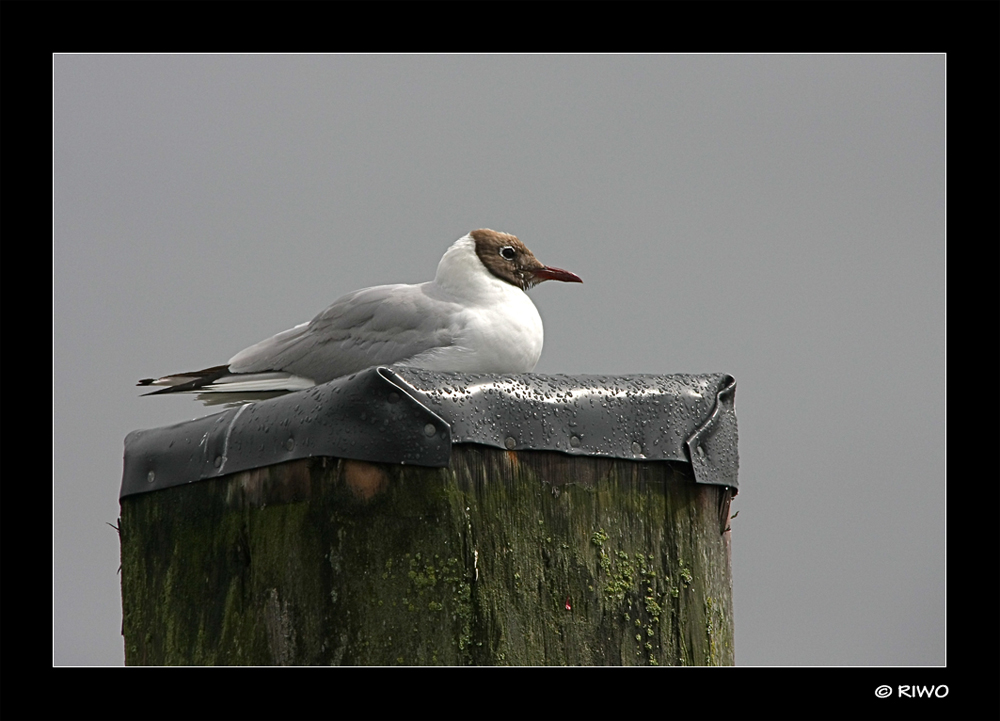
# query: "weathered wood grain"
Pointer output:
{"type": "Point", "coordinates": [511, 558]}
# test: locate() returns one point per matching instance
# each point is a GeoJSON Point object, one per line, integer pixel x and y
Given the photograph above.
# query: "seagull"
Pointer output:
{"type": "Point", "coordinates": [474, 317]}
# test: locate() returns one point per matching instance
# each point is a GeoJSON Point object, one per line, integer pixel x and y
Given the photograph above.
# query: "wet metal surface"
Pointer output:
{"type": "Point", "coordinates": [406, 415]}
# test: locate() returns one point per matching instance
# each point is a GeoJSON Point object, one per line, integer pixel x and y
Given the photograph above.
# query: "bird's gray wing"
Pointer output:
{"type": "Point", "coordinates": [373, 326]}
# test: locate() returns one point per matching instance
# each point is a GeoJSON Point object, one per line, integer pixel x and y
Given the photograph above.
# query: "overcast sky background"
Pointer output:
{"type": "Point", "coordinates": [779, 218]}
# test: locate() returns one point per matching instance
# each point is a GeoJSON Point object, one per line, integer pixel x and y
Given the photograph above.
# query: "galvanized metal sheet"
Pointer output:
{"type": "Point", "coordinates": [407, 415]}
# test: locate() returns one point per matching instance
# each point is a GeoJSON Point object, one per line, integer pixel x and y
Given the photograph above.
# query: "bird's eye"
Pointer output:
{"type": "Point", "coordinates": [507, 253]}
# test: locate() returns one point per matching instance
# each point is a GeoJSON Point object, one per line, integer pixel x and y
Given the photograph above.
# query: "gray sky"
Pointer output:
{"type": "Point", "coordinates": [777, 217]}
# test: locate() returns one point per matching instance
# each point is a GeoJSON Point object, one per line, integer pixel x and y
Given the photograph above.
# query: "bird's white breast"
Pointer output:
{"type": "Point", "coordinates": [497, 327]}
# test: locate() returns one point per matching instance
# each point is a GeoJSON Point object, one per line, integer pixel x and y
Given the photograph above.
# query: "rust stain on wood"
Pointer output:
{"type": "Point", "coordinates": [366, 480]}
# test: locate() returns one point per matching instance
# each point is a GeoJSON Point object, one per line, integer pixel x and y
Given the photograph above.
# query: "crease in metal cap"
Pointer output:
{"type": "Point", "coordinates": [413, 416]}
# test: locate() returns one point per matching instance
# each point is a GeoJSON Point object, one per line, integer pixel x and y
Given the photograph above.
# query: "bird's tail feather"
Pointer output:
{"type": "Point", "coordinates": [219, 379]}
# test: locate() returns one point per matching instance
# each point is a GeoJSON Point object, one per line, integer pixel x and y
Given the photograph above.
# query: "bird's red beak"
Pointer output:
{"type": "Point", "coordinates": [547, 273]}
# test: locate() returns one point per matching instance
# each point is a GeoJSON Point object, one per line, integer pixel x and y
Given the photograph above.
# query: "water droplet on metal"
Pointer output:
{"type": "Point", "coordinates": [218, 461]}
{"type": "Point", "coordinates": [151, 476]}
{"type": "Point", "coordinates": [290, 443]}
{"type": "Point", "coordinates": [394, 397]}
{"type": "Point", "coordinates": [636, 448]}
{"type": "Point", "coordinates": [574, 441]}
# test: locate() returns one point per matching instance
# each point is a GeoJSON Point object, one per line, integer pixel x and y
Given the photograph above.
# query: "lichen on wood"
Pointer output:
{"type": "Point", "coordinates": [510, 558]}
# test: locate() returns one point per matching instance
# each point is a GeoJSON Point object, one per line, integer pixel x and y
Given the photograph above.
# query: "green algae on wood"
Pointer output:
{"type": "Point", "coordinates": [514, 558]}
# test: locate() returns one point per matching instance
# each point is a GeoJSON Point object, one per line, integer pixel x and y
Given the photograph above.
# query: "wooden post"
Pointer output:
{"type": "Point", "coordinates": [502, 558]}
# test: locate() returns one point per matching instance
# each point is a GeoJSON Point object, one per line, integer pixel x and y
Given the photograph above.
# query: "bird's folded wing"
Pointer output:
{"type": "Point", "coordinates": [381, 325]}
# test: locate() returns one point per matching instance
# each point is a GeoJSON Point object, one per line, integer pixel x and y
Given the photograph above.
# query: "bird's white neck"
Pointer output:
{"type": "Point", "coordinates": [462, 274]}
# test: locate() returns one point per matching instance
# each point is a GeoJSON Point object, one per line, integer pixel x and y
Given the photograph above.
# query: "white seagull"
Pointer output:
{"type": "Point", "coordinates": [474, 317]}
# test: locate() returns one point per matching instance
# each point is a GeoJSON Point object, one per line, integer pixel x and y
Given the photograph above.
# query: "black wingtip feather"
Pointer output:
{"type": "Point", "coordinates": [203, 378]}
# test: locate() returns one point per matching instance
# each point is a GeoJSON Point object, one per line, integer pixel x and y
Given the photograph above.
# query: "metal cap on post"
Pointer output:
{"type": "Point", "coordinates": [402, 516]}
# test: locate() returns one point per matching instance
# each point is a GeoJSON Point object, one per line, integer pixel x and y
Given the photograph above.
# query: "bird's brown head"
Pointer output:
{"type": "Point", "coordinates": [509, 259]}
